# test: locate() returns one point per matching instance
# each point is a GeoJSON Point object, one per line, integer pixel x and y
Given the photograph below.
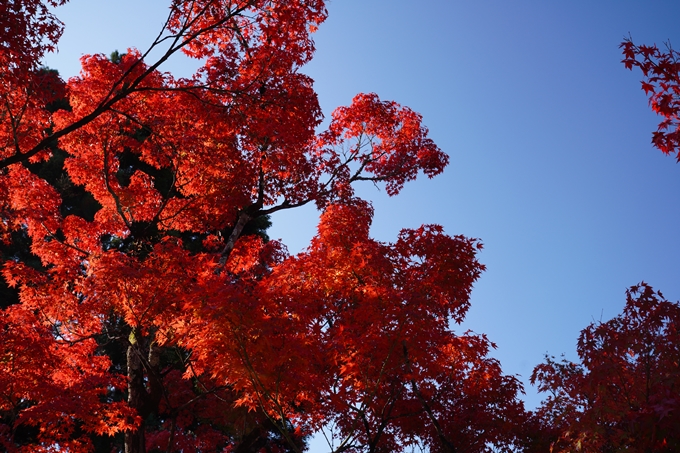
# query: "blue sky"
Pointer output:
{"type": "Point", "coordinates": [548, 134]}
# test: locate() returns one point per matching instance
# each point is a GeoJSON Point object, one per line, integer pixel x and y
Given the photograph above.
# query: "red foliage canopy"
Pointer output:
{"type": "Point", "coordinates": [151, 312]}
{"type": "Point", "coordinates": [623, 396]}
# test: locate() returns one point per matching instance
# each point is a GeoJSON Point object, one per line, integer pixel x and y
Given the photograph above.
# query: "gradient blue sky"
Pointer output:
{"type": "Point", "coordinates": [548, 134]}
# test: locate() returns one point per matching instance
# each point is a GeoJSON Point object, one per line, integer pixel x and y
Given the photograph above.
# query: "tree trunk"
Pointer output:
{"type": "Point", "coordinates": [143, 360]}
{"type": "Point", "coordinates": [134, 440]}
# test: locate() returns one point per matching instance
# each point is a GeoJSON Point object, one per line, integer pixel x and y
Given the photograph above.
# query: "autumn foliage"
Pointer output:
{"type": "Point", "coordinates": [623, 394]}
{"type": "Point", "coordinates": [661, 71]}
{"type": "Point", "coordinates": [144, 308]}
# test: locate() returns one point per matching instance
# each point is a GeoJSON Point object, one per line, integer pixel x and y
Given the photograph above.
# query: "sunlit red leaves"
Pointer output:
{"type": "Point", "coordinates": [223, 160]}
{"type": "Point", "coordinates": [217, 159]}
{"type": "Point", "coordinates": [622, 393]}
{"type": "Point", "coordinates": [253, 27]}
{"type": "Point", "coordinates": [25, 112]}
{"type": "Point", "coordinates": [148, 294]}
{"type": "Point", "coordinates": [253, 258]}
{"type": "Point", "coordinates": [662, 84]}
{"type": "Point", "coordinates": [163, 129]}
{"type": "Point", "coordinates": [34, 201]}
{"type": "Point", "coordinates": [343, 334]}
{"type": "Point", "coordinates": [378, 141]}
{"type": "Point", "coordinates": [55, 386]}
{"type": "Point", "coordinates": [28, 29]}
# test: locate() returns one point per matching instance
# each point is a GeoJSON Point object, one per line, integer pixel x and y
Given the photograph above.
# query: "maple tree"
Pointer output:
{"type": "Point", "coordinates": [662, 84]}
{"type": "Point", "coordinates": [623, 394]}
{"type": "Point", "coordinates": [145, 308]}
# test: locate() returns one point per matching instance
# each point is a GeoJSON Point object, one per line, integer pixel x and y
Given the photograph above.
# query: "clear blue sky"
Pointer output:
{"type": "Point", "coordinates": [548, 133]}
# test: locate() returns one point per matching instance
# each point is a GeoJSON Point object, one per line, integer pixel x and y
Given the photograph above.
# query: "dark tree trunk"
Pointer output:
{"type": "Point", "coordinates": [143, 361]}
{"type": "Point", "coordinates": [134, 440]}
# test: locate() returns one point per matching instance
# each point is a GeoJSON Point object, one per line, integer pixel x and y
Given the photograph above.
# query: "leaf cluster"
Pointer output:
{"type": "Point", "coordinates": [622, 396]}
